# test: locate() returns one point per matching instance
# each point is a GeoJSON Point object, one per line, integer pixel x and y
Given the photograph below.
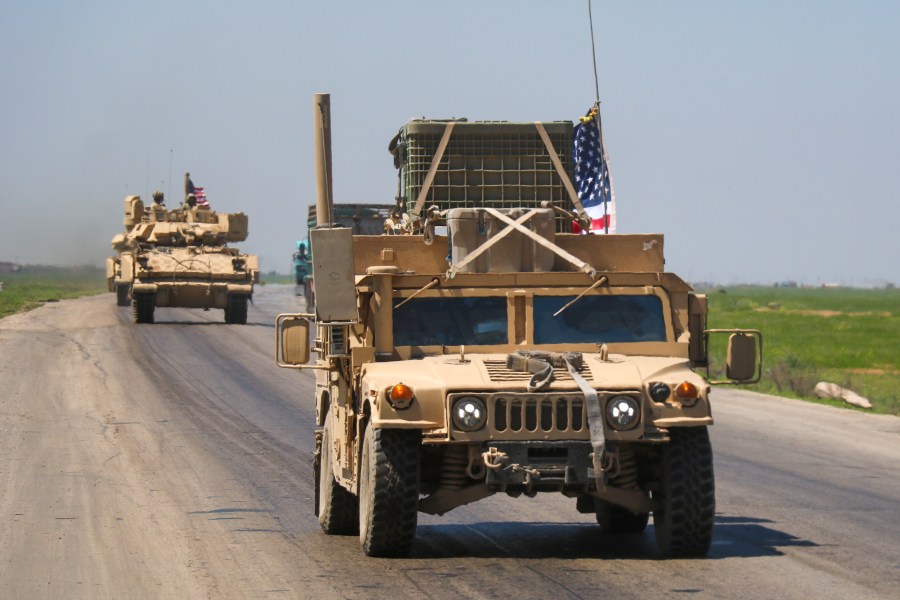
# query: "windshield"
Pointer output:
{"type": "Point", "coordinates": [599, 319]}
{"type": "Point", "coordinates": [450, 321]}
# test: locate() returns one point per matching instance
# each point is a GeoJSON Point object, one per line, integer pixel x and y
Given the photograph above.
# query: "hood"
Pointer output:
{"type": "Point", "coordinates": [488, 372]}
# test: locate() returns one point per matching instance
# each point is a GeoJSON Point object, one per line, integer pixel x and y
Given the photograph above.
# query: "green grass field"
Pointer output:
{"type": "Point", "coordinates": [846, 336]}
{"type": "Point", "coordinates": [29, 289]}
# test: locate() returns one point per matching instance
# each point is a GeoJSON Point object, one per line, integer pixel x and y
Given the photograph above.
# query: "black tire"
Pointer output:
{"type": "Point", "coordinates": [684, 521]}
{"type": "Point", "coordinates": [310, 295]}
{"type": "Point", "coordinates": [389, 491]}
{"type": "Point", "coordinates": [337, 508]}
{"type": "Point", "coordinates": [236, 309]}
{"type": "Point", "coordinates": [122, 295]}
{"type": "Point", "coordinates": [142, 307]}
{"type": "Point", "coordinates": [615, 519]}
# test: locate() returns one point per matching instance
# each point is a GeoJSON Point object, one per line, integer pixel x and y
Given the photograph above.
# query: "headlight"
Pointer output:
{"type": "Point", "coordinates": [469, 413]}
{"type": "Point", "coordinates": [659, 391]}
{"type": "Point", "coordinates": [623, 412]}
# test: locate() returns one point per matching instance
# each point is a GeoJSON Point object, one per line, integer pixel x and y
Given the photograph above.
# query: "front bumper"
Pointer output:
{"type": "Point", "coordinates": [540, 467]}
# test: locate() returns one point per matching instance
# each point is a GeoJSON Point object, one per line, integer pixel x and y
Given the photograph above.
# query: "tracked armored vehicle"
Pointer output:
{"type": "Point", "coordinates": [505, 355]}
{"type": "Point", "coordinates": [181, 258]}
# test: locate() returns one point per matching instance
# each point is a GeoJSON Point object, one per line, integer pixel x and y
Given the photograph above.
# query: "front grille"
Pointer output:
{"type": "Point", "coordinates": [558, 413]}
{"type": "Point", "coordinates": [499, 372]}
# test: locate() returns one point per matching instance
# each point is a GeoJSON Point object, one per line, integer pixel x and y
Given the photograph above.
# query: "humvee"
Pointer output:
{"type": "Point", "coordinates": [505, 356]}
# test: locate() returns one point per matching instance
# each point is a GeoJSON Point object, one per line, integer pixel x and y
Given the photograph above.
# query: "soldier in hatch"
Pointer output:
{"type": "Point", "coordinates": [158, 209]}
{"type": "Point", "coordinates": [189, 187]}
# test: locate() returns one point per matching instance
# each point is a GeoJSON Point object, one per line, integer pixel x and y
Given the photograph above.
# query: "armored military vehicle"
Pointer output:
{"type": "Point", "coordinates": [362, 219]}
{"type": "Point", "coordinates": [505, 356]}
{"type": "Point", "coordinates": [181, 258]}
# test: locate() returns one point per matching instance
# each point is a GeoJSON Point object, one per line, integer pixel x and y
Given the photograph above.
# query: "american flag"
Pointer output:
{"type": "Point", "coordinates": [200, 195]}
{"type": "Point", "coordinates": [593, 180]}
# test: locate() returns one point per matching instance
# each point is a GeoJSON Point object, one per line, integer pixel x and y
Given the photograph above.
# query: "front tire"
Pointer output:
{"type": "Point", "coordinates": [142, 307]}
{"type": "Point", "coordinates": [336, 508]}
{"type": "Point", "coordinates": [122, 296]}
{"type": "Point", "coordinates": [389, 491]}
{"type": "Point", "coordinates": [684, 521]}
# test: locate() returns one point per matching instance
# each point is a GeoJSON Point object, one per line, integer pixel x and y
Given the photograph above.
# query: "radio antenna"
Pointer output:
{"type": "Point", "coordinates": [594, 53]}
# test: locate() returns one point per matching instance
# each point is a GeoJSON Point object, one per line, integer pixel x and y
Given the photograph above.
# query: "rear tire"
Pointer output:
{"type": "Point", "coordinates": [389, 491]}
{"type": "Point", "coordinates": [236, 309]}
{"type": "Point", "coordinates": [142, 307]}
{"type": "Point", "coordinates": [684, 521]}
{"type": "Point", "coordinates": [122, 295]}
{"type": "Point", "coordinates": [337, 509]}
{"type": "Point", "coordinates": [615, 519]}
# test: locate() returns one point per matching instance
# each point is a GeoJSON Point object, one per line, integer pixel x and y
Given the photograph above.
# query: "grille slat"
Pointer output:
{"type": "Point", "coordinates": [557, 414]}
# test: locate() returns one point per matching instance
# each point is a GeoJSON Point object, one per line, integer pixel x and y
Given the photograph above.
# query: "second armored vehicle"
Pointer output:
{"type": "Point", "coordinates": [181, 258]}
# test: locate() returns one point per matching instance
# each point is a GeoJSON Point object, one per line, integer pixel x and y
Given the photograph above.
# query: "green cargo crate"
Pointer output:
{"type": "Point", "coordinates": [486, 164]}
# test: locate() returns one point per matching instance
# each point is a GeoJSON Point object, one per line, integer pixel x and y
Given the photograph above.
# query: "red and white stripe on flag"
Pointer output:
{"type": "Point", "coordinates": [200, 195]}
{"type": "Point", "coordinates": [600, 223]}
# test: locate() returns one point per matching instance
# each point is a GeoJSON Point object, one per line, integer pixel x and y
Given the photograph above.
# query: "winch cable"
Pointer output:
{"type": "Point", "coordinates": [541, 365]}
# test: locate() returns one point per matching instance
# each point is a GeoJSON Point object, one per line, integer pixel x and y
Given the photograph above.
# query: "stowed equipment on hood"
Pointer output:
{"type": "Point", "coordinates": [541, 364]}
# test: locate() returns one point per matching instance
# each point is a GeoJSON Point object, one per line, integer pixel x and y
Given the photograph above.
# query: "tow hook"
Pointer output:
{"type": "Point", "coordinates": [496, 459]}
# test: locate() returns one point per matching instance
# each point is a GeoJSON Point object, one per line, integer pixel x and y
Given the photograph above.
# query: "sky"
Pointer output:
{"type": "Point", "coordinates": [761, 138]}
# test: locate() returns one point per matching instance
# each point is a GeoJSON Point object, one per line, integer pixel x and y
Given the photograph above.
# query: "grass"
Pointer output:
{"type": "Point", "coordinates": [273, 277]}
{"type": "Point", "coordinates": [35, 285]}
{"type": "Point", "coordinates": [846, 336]}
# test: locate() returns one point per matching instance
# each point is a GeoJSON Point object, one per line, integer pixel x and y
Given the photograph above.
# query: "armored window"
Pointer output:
{"type": "Point", "coordinates": [599, 319]}
{"type": "Point", "coordinates": [451, 322]}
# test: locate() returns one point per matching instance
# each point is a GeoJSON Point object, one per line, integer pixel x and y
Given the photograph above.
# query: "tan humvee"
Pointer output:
{"type": "Point", "coordinates": [532, 361]}
{"type": "Point", "coordinates": [181, 258]}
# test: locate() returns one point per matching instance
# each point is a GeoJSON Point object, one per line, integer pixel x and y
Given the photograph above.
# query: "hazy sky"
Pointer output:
{"type": "Point", "coordinates": [762, 138]}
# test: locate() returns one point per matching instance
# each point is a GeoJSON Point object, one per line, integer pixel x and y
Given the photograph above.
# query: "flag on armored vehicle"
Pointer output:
{"type": "Point", "coordinates": [593, 181]}
{"type": "Point", "coordinates": [200, 195]}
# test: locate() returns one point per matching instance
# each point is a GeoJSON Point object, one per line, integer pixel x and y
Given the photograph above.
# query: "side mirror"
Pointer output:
{"type": "Point", "coordinates": [292, 349]}
{"type": "Point", "coordinates": [743, 363]}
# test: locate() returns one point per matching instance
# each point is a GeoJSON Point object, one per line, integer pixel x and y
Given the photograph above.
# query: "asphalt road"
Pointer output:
{"type": "Point", "coordinates": [174, 461]}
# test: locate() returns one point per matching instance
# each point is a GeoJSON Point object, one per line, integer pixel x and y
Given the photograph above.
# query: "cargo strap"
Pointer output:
{"type": "Point", "coordinates": [541, 365]}
{"type": "Point", "coordinates": [517, 225]}
{"type": "Point", "coordinates": [583, 219]}
{"type": "Point", "coordinates": [416, 212]}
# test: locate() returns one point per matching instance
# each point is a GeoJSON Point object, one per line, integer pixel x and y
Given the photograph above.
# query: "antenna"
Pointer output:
{"type": "Point", "coordinates": [594, 53]}
{"type": "Point", "coordinates": [169, 192]}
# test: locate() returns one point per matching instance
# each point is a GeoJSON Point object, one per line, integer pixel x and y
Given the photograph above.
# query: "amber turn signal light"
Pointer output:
{"type": "Point", "coordinates": [401, 392]}
{"type": "Point", "coordinates": [400, 396]}
{"type": "Point", "coordinates": [687, 390]}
